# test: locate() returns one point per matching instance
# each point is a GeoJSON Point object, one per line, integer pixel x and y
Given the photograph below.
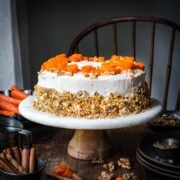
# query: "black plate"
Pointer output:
{"type": "Point", "coordinates": [156, 166]}
{"type": "Point", "coordinates": [147, 151]}
{"type": "Point", "coordinates": [175, 114]}
{"type": "Point", "coordinates": [39, 132]}
{"type": "Point", "coordinates": [153, 169]}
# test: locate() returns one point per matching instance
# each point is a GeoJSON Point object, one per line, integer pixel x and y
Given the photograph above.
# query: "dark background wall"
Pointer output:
{"type": "Point", "coordinates": [47, 28]}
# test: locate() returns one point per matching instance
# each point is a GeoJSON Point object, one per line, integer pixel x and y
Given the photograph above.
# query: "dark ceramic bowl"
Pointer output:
{"type": "Point", "coordinates": [164, 122]}
{"type": "Point", "coordinates": [29, 176]}
{"type": "Point", "coordinates": [168, 148]}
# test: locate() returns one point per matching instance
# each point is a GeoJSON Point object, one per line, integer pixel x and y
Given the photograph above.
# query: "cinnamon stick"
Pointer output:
{"type": "Point", "coordinates": [5, 166]}
{"type": "Point", "coordinates": [32, 160]}
{"type": "Point", "coordinates": [5, 151]}
{"type": "Point", "coordinates": [16, 152]}
{"type": "Point", "coordinates": [3, 156]}
{"type": "Point", "coordinates": [58, 176]}
{"type": "Point", "coordinates": [25, 159]}
{"type": "Point", "coordinates": [9, 151]}
{"type": "Point", "coordinates": [15, 164]}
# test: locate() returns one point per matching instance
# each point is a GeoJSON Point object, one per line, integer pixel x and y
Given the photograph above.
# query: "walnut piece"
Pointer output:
{"type": "Point", "coordinates": [105, 176]}
{"type": "Point", "coordinates": [124, 163]}
{"type": "Point", "coordinates": [109, 166]}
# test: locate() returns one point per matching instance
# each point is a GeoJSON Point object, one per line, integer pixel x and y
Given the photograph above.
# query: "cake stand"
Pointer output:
{"type": "Point", "coordinates": [90, 139]}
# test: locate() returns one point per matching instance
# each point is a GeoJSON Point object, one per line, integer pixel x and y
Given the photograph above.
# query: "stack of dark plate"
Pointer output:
{"type": "Point", "coordinates": [160, 153]}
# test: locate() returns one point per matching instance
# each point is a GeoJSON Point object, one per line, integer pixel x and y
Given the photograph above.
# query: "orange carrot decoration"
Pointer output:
{"type": "Point", "coordinates": [75, 57]}
{"type": "Point", "coordinates": [115, 58]}
{"type": "Point", "coordinates": [62, 55]}
{"type": "Point", "coordinates": [114, 65]}
{"type": "Point", "coordinates": [110, 68]}
{"type": "Point", "coordinates": [10, 99]}
{"type": "Point", "coordinates": [85, 58]}
{"type": "Point", "coordinates": [138, 65]}
{"type": "Point", "coordinates": [72, 68]}
{"type": "Point", "coordinates": [87, 69]}
{"type": "Point", "coordinates": [100, 59]}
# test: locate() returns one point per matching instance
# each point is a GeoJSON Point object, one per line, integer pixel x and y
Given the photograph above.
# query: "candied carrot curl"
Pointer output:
{"type": "Point", "coordinates": [72, 68]}
{"type": "Point", "coordinates": [115, 65]}
{"type": "Point", "coordinates": [64, 170]}
{"type": "Point", "coordinates": [87, 69]}
{"type": "Point", "coordinates": [76, 57]}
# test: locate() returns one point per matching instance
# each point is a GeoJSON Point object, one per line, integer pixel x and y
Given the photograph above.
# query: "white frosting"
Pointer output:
{"type": "Point", "coordinates": [104, 84]}
{"type": "Point", "coordinates": [84, 63]}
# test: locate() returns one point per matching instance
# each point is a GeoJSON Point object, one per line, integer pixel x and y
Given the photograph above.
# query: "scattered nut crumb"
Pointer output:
{"type": "Point", "coordinates": [129, 176]}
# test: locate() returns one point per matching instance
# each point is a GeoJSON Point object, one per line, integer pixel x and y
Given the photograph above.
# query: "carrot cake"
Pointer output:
{"type": "Point", "coordinates": [91, 87]}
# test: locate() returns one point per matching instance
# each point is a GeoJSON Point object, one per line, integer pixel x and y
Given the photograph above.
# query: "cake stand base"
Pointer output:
{"type": "Point", "coordinates": [90, 144]}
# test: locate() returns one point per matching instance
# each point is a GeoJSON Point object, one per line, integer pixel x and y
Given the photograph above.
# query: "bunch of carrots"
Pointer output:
{"type": "Point", "coordinates": [9, 104]}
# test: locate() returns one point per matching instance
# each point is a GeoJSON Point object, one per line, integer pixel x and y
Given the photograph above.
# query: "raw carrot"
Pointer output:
{"type": "Point", "coordinates": [7, 113]}
{"type": "Point", "coordinates": [10, 99]}
{"type": "Point", "coordinates": [18, 94]}
{"type": "Point", "coordinates": [8, 107]}
{"type": "Point", "coordinates": [14, 87]}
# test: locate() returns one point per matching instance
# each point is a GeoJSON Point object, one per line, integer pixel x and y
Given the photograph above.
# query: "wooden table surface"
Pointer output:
{"type": "Point", "coordinates": [54, 152]}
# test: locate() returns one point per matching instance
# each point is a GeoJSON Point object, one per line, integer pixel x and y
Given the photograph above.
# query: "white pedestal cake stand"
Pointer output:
{"type": "Point", "coordinates": [89, 140]}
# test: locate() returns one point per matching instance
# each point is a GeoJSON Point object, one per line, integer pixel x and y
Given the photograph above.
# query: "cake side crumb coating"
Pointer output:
{"type": "Point", "coordinates": [97, 106]}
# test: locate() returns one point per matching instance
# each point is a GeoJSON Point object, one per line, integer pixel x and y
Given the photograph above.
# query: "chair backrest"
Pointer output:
{"type": "Point", "coordinates": [134, 20]}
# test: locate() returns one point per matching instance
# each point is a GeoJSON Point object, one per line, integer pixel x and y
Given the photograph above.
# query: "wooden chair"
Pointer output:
{"type": "Point", "coordinates": [153, 21]}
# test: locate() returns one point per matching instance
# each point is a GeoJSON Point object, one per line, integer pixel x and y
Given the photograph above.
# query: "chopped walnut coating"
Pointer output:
{"type": "Point", "coordinates": [96, 106]}
{"type": "Point", "coordinates": [124, 163]}
{"type": "Point", "coordinates": [129, 176]}
{"type": "Point", "coordinates": [105, 176]}
{"type": "Point", "coordinates": [109, 166]}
